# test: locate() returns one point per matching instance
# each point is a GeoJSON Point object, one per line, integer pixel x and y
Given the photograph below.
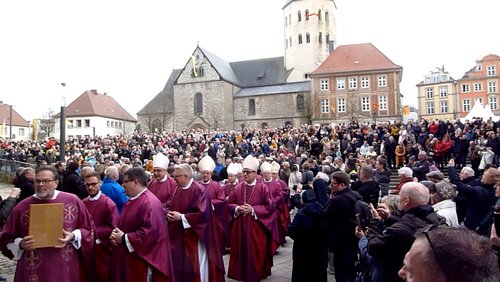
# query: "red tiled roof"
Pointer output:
{"type": "Point", "coordinates": [90, 103]}
{"type": "Point", "coordinates": [355, 58]}
{"type": "Point", "coordinates": [17, 119]}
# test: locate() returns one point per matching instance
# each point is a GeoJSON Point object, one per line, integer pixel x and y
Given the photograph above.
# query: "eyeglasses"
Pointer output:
{"type": "Point", "coordinates": [177, 176]}
{"type": "Point", "coordinates": [247, 172]}
{"type": "Point", "coordinates": [43, 181]}
{"type": "Point", "coordinates": [91, 184]}
{"type": "Point", "coordinates": [128, 180]}
{"type": "Point", "coordinates": [426, 234]}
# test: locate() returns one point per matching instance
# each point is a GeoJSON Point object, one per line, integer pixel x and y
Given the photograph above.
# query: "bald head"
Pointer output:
{"type": "Point", "coordinates": [413, 194]}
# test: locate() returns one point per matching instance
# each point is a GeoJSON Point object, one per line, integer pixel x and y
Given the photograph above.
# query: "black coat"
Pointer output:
{"type": "Point", "coordinates": [391, 245]}
{"type": "Point", "coordinates": [369, 191]}
{"type": "Point", "coordinates": [310, 249]}
{"type": "Point", "coordinates": [27, 187]}
{"type": "Point", "coordinates": [73, 183]}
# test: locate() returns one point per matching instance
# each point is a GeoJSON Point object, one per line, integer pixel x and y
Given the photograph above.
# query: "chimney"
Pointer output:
{"type": "Point", "coordinates": [94, 91]}
{"type": "Point", "coordinates": [443, 68]}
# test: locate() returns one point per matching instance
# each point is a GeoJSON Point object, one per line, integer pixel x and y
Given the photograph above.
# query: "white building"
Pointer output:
{"type": "Point", "coordinates": [20, 127]}
{"type": "Point", "coordinates": [93, 114]}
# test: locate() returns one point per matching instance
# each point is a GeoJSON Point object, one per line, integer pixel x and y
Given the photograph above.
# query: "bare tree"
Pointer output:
{"type": "Point", "coordinates": [46, 124]}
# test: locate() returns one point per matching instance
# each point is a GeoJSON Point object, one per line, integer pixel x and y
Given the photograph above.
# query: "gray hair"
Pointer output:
{"type": "Point", "coordinates": [406, 171]}
{"type": "Point", "coordinates": [468, 171]}
{"type": "Point", "coordinates": [185, 169]}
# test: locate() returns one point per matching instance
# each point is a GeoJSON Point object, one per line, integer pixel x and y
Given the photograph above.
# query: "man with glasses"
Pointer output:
{"type": "Point", "coordinates": [105, 216]}
{"type": "Point", "coordinates": [196, 251]}
{"type": "Point", "coordinates": [72, 260]}
{"type": "Point", "coordinates": [142, 246]}
{"type": "Point", "coordinates": [389, 238]}
{"type": "Point", "coordinates": [450, 254]}
{"type": "Point", "coordinates": [254, 228]}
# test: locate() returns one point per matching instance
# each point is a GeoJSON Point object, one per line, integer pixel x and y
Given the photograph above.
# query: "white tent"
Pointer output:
{"type": "Point", "coordinates": [479, 111]}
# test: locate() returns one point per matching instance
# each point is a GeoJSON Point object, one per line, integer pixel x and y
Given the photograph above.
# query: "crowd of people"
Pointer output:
{"type": "Point", "coordinates": [168, 206]}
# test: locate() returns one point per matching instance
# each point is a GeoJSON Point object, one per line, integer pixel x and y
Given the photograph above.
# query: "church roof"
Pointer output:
{"type": "Point", "coordinates": [222, 67]}
{"type": "Point", "coordinates": [355, 58]}
{"type": "Point", "coordinates": [17, 119]}
{"type": "Point", "coordinates": [90, 103]}
{"type": "Point", "coordinates": [163, 102]}
{"type": "Point", "coordinates": [304, 86]}
{"type": "Point", "coordinates": [260, 72]}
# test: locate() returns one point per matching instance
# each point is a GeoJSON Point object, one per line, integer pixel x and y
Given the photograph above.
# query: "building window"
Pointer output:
{"type": "Point", "coordinates": [290, 41]}
{"type": "Point", "coordinates": [325, 107]}
{"type": "Point", "coordinates": [490, 71]}
{"type": "Point", "coordinates": [365, 103]}
{"type": "Point", "coordinates": [21, 132]}
{"type": "Point", "coordinates": [323, 84]}
{"type": "Point", "coordinates": [430, 108]}
{"type": "Point", "coordinates": [443, 91]}
{"type": "Point", "coordinates": [365, 82]}
{"type": "Point", "coordinates": [479, 100]}
{"type": "Point", "coordinates": [286, 43]}
{"type": "Point", "coordinates": [289, 19]}
{"type": "Point", "coordinates": [86, 123]}
{"type": "Point", "coordinates": [327, 38]}
{"type": "Point", "coordinates": [465, 88]}
{"type": "Point", "coordinates": [493, 103]}
{"type": "Point", "coordinates": [300, 103]}
{"type": "Point", "coordinates": [299, 15]}
{"type": "Point", "coordinates": [382, 81]}
{"type": "Point", "coordinates": [444, 107]}
{"type": "Point", "coordinates": [108, 124]}
{"type": "Point", "coordinates": [341, 105]}
{"type": "Point", "coordinates": [340, 83]}
{"type": "Point", "coordinates": [382, 103]}
{"type": "Point", "coordinates": [429, 93]}
{"type": "Point", "coordinates": [479, 67]}
{"type": "Point", "coordinates": [78, 123]}
{"type": "Point", "coordinates": [492, 87]}
{"type": "Point", "coordinates": [466, 105]}
{"type": "Point", "coordinates": [327, 18]}
{"type": "Point", "coordinates": [300, 38]}
{"type": "Point", "coordinates": [478, 87]}
{"type": "Point", "coordinates": [308, 38]}
{"type": "Point", "coordinates": [307, 15]}
{"type": "Point", "coordinates": [319, 15]}
{"type": "Point", "coordinates": [198, 103]}
{"type": "Point", "coordinates": [435, 77]}
{"type": "Point", "coordinates": [70, 123]}
{"type": "Point", "coordinates": [320, 37]}
{"type": "Point", "coordinates": [353, 83]}
{"type": "Point", "coordinates": [251, 107]}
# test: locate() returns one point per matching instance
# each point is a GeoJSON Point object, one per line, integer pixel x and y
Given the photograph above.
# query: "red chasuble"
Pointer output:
{"type": "Point", "coordinates": [163, 190]}
{"type": "Point", "coordinates": [253, 240]}
{"type": "Point", "coordinates": [216, 196]}
{"type": "Point", "coordinates": [52, 264]}
{"type": "Point", "coordinates": [194, 203]}
{"type": "Point", "coordinates": [105, 217]}
{"type": "Point", "coordinates": [143, 220]}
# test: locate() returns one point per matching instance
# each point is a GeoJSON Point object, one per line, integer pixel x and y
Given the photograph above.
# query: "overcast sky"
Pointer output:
{"type": "Point", "coordinates": [128, 48]}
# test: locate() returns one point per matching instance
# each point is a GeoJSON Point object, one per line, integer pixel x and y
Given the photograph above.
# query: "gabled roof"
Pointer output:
{"type": "Point", "coordinates": [260, 72]}
{"type": "Point", "coordinates": [222, 67]}
{"type": "Point", "coordinates": [164, 101]}
{"type": "Point", "coordinates": [355, 58]}
{"type": "Point", "coordinates": [90, 103]}
{"type": "Point", "coordinates": [304, 86]}
{"type": "Point", "coordinates": [17, 120]}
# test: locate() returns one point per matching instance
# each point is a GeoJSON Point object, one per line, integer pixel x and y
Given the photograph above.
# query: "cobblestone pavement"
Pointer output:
{"type": "Point", "coordinates": [281, 271]}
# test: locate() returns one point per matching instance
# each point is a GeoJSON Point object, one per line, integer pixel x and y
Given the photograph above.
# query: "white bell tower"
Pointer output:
{"type": "Point", "coordinates": [309, 35]}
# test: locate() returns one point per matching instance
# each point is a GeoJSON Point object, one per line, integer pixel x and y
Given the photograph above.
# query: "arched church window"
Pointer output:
{"type": "Point", "coordinates": [320, 37]}
{"type": "Point", "coordinates": [290, 41]}
{"type": "Point", "coordinates": [308, 38]}
{"type": "Point", "coordinates": [198, 103]}
{"type": "Point", "coordinates": [299, 15]}
{"type": "Point", "coordinates": [319, 15]}
{"type": "Point", "coordinates": [326, 16]}
{"type": "Point", "coordinates": [286, 43]}
{"type": "Point", "coordinates": [300, 38]}
{"type": "Point", "coordinates": [307, 15]}
{"type": "Point", "coordinates": [327, 38]}
{"type": "Point", "coordinates": [300, 103]}
{"type": "Point", "coordinates": [251, 107]}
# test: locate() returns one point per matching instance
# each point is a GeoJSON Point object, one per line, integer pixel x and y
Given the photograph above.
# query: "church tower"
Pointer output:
{"type": "Point", "coordinates": [309, 35]}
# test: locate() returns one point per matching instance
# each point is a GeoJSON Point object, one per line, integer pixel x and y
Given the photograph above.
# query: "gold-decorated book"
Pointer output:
{"type": "Point", "coordinates": [46, 224]}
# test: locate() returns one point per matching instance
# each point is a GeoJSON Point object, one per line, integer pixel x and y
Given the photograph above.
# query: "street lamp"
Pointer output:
{"type": "Point", "coordinates": [10, 122]}
{"type": "Point", "coordinates": [62, 134]}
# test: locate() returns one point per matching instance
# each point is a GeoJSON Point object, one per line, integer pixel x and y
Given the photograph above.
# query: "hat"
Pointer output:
{"type": "Point", "coordinates": [206, 164]}
{"type": "Point", "coordinates": [275, 167]}
{"type": "Point", "coordinates": [266, 167]}
{"type": "Point", "coordinates": [161, 161]}
{"type": "Point", "coordinates": [435, 174]}
{"type": "Point", "coordinates": [233, 169]}
{"type": "Point", "coordinates": [444, 191]}
{"type": "Point", "coordinates": [250, 163]}
{"type": "Point", "coordinates": [412, 158]}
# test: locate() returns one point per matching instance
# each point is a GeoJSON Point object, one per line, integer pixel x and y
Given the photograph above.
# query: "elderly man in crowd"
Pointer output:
{"type": "Point", "coordinates": [390, 244]}
{"type": "Point", "coordinates": [112, 189]}
{"type": "Point", "coordinates": [405, 175]}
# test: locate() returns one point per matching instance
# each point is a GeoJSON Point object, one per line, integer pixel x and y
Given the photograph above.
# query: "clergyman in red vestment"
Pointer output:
{"type": "Point", "coordinates": [72, 261]}
{"type": "Point", "coordinates": [254, 231]}
{"type": "Point", "coordinates": [105, 217]}
{"type": "Point", "coordinates": [142, 248]}
{"type": "Point", "coordinates": [196, 251]}
{"type": "Point", "coordinates": [162, 184]}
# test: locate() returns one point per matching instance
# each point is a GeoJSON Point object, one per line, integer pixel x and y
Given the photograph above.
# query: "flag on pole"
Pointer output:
{"type": "Point", "coordinates": [34, 131]}
{"type": "Point", "coordinates": [193, 61]}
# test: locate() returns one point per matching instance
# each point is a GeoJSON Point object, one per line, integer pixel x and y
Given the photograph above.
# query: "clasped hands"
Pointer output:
{"type": "Point", "coordinates": [245, 209]}
{"type": "Point", "coordinates": [174, 216]}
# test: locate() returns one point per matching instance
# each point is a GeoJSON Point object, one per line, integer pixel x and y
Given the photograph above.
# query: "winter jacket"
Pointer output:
{"type": "Point", "coordinates": [448, 210]}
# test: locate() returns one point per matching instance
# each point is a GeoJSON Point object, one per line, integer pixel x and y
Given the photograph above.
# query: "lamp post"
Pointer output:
{"type": "Point", "coordinates": [10, 122]}
{"type": "Point", "coordinates": [62, 134]}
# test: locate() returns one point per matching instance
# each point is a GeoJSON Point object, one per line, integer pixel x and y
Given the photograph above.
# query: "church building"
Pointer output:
{"type": "Point", "coordinates": [211, 93]}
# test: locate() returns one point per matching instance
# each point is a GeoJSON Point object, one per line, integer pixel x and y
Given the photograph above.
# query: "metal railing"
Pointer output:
{"type": "Point", "coordinates": [10, 166]}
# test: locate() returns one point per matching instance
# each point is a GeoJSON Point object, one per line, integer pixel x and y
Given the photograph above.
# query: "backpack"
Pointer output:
{"type": "Point", "coordinates": [362, 212]}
